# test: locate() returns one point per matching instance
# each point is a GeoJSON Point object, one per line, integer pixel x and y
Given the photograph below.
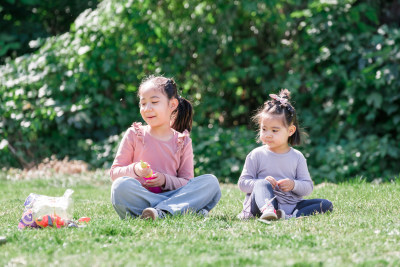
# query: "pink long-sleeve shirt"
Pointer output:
{"type": "Point", "coordinates": [173, 158]}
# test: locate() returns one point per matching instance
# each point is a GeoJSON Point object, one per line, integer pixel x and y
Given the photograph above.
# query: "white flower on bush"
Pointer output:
{"type": "Point", "coordinates": [82, 50]}
{"type": "Point", "coordinates": [3, 144]}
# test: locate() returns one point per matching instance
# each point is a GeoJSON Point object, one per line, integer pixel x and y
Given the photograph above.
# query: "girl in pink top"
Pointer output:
{"type": "Point", "coordinates": [164, 145]}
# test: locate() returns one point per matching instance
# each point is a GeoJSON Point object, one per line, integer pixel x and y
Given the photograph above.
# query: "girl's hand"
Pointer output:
{"type": "Point", "coordinates": [158, 181]}
{"type": "Point", "coordinates": [286, 185]}
{"type": "Point", "coordinates": [272, 181]}
{"type": "Point", "coordinates": [142, 172]}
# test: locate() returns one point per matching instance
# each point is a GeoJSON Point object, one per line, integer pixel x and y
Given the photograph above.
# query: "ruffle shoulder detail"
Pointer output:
{"type": "Point", "coordinates": [138, 130]}
{"type": "Point", "coordinates": [183, 138]}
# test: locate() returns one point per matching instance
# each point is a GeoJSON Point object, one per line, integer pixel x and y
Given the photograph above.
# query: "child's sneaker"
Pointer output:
{"type": "Point", "coordinates": [203, 212]}
{"type": "Point", "coordinates": [268, 212]}
{"type": "Point", "coordinates": [291, 216]}
{"type": "Point", "coordinates": [281, 214]}
{"type": "Point", "coordinates": [152, 213]}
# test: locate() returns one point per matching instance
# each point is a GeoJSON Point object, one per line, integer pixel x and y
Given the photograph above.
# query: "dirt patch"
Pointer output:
{"type": "Point", "coordinates": [49, 167]}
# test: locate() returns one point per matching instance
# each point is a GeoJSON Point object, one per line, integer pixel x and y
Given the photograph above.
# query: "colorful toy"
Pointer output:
{"type": "Point", "coordinates": [84, 219]}
{"type": "Point", "coordinates": [50, 221]}
{"type": "Point", "coordinates": [44, 211]}
{"type": "Point", "coordinates": [150, 177]}
{"type": "Point", "coordinates": [144, 165]}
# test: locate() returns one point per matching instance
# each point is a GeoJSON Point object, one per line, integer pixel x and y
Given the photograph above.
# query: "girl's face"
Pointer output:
{"type": "Point", "coordinates": [155, 107]}
{"type": "Point", "coordinates": [275, 134]}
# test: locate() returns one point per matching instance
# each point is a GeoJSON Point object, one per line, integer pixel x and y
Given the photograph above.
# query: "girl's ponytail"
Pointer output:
{"type": "Point", "coordinates": [183, 116]}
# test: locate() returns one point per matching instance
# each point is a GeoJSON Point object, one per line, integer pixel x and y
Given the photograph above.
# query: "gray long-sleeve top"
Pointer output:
{"type": "Point", "coordinates": [261, 162]}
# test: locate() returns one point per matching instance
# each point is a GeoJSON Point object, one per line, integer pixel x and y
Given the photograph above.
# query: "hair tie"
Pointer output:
{"type": "Point", "coordinates": [180, 99]}
{"type": "Point", "coordinates": [281, 100]}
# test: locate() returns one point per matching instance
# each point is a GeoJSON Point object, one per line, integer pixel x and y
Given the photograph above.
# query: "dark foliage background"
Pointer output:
{"type": "Point", "coordinates": [23, 21]}
{"type": "Point", "coordinates": [340, 59]}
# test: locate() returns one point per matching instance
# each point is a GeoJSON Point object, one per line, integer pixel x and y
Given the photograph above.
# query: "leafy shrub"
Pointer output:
{"type": "Point", "coordinates": [340, 59]}
{"type": "Point", "coordinates": [24, 21]}
{"type": "Point", "coordinates": [222, 151]}
{"type": "Point", "coordinates": [346, 71]}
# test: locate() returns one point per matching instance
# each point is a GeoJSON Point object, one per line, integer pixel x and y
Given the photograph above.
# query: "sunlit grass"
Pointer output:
{"type": "Point", "coordinates": [364, 229]}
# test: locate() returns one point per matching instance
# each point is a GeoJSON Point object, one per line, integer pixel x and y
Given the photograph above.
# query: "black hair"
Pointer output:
{"type": "Point", "coordinates": [183, 115]}
{"type": "Point", "coordinates": [281, 106]}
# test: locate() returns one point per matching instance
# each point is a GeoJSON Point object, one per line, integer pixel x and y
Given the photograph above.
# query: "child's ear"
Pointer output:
{"type": "Point", "coordinates": [292, 130]}
{"type": "Point", "coordinates": [173, 103]}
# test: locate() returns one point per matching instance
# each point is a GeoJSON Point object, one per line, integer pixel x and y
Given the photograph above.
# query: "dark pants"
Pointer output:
{"type": "Point", "coordinates": [263, 190]}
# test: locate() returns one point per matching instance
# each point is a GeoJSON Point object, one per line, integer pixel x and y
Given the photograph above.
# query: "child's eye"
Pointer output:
{"type": "Point", "coordinates": [154, 102]}
{"type": "Point", "coordinates": [275, 131]}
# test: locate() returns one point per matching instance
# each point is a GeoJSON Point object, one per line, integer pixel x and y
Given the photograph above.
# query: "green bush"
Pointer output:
{"type": "Point", "coordinates": [222, 151]}
{"type": "Point", "coordinates": [346, 70]}
{"type": "Point", "coordinates": [340, 59]}
{"type": "Point", "coordinates": [24, 21]}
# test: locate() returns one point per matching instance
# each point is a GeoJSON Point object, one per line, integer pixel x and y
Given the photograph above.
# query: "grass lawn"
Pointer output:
{"type": "Point", "coordinates": [364, 229]}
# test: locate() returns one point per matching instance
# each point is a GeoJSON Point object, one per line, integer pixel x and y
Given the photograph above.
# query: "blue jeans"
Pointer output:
{"type": "Point", "coordinates": [129, 198]}
{"type": "Point", "coordinates": [263, 190]}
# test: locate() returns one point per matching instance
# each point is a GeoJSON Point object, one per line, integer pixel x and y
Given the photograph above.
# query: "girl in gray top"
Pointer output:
{"type": "Point", "coordinates": [275, 176]}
